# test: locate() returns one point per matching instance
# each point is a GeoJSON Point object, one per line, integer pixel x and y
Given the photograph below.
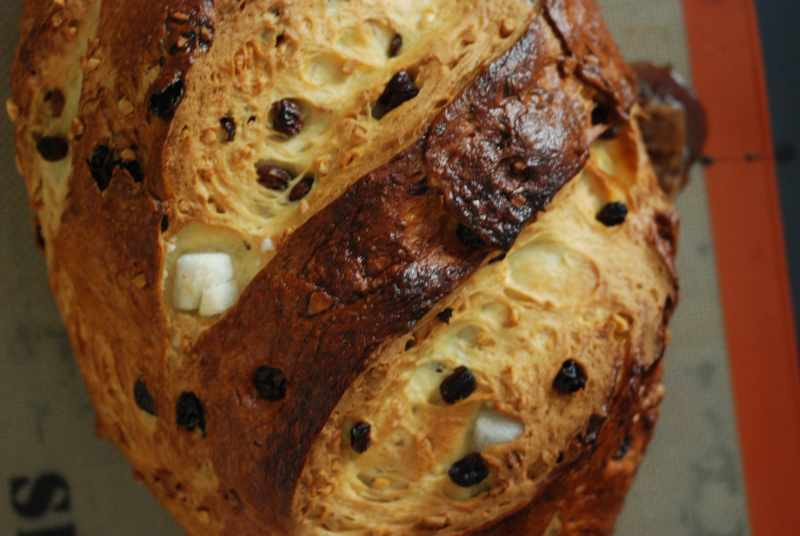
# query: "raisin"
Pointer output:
{"type": "Point", "coordinates": [410, 343]}
{"type": "Point", "coordinates": [419, 188]}
{"type": "Point", "coordinates": [359, 436]}
{"type": "Point", "coordinates": [55, 98]}
{"type": "Point", "coordinates": [613, 214]}
{"type": "Point", "coordinates": [468, 237]}
{"type": "Point", "coordinates": [164, 103]}
{"type": "Point", "coordinates": [458, 385]}
{"type": "Point", "coordinates": [593, 429]}
{"type": "Point", "coordinates": [601, 114]}
{"type": "Point", "coordinates": [273, 177]}
{"type": "Point", "coordinates": [270, 383]}
{"type": "Point", "coordinates": [610, 133]}
{"type": "Point", "coordinates": [52, 148]}
{"type": "Point", "coordinates": [134, 168]}
{"type": "Point", "coordinates": [470, 470]}
{"type": "Point", "coordinates": [164, 223]}
{"type": "Point", "coordinates": [101, 164]}
{"type": "Point", "coordinates": [229, 126]}
{"type": "Point", "coordinates": [445, 315]}
{"type": "Point", "coordinates": [286, 117]}
{"type": "Point", "coordinates": [395, 45]}
{"type": "Point", "coordinates": [189, 412]}
{"type": "Point", "coordinates": [302, 188]}
{"type": "Point", "coordinates": [571, 378]}
{"type": "Point", "coordinates": [623, 448]}
{"type": "Point", "coordinates": [143, 398]}
{"type": "Point", "coordinates": [399, 89]}
{"type": "Point", "coordinates": [40, 242]}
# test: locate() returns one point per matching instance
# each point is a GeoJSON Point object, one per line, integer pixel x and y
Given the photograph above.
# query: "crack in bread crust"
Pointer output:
{"type": "Point", "coordinates": [366, 268]}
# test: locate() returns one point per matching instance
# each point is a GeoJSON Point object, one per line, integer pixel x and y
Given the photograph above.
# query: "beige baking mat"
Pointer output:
{"type": "Point", "coordinates": [56, 474]}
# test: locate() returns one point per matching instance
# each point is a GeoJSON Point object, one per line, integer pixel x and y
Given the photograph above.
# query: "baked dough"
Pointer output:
{"type": "Point", "coordinates": [353, 267]}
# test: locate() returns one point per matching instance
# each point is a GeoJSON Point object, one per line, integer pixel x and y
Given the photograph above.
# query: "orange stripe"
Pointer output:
{"type": "Point", "coordinates": [728, 74]}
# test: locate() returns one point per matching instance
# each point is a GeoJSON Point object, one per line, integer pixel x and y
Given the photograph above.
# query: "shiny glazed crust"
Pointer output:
{"type": "Point", "coordinates": [458, 227]}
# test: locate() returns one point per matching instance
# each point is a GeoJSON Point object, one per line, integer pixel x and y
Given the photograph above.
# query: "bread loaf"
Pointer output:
{"type": "Point", "coordinates": [353, 267]}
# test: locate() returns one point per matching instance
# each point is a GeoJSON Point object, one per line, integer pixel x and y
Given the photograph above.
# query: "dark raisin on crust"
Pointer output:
{"type": "Point", "coordinates": [101, 164]}
{"type": "Point", "coordinates": [55, 98]}
{"type": "Point", "coordinates": [229, 126]}
{"type": "Point", "coordinates": [468, 237]}
{"type": "Point", "coordinates": [445, 315]}
{"type": "Point", "coordinates": [601, 114]}
{"type": "Point", "coordinates": [143, 398]}
{"type": "Point", "coordinates": [458, 386]}
{"type": "Point", "coordinates": [189, 412]}
{"type": "Point", "coordinates": [420, 187]}
{"type": "Point", "coordinates": [613, 214]}
{"type": "Point", "coordinates": [286, 117]}
{"type": "Point", "coordinates": [592, 432]}
{"type": "Point", "coordinates": [623, 448]}
{"type": "Point", "coordinates": [395, 45]}
{"type": "Point", "coordinates": [164, 222]}
{"type": "Point", "coordinates": [359, 436]}
{"type": "Point", "coordinates": [302, 188]}
{"type": "Point", "coordinates": [52, 148]}
{"type": "Point", "coordinates": [270, 383]}
{"type": "Point", "coordinates": [470, 470]}
{"type": "Point", "coordinates": [163, 103]}
{"type": "Point", "coordinates": [134, 168]}
{"type": "Point", "coordinates": [571, 378]}
{"type": "Point", "coordinates": [400, 88]}
{"type": "Point", "coordinates": [610, 133]}
{"type": "Point", "coordinates": [273, 177]}
{"type": "Point", "coordinates": [40, 242]}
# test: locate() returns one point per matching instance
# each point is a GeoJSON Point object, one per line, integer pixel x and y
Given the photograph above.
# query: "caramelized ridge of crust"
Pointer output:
{"type": "Point", "coordinates": [363, 270]}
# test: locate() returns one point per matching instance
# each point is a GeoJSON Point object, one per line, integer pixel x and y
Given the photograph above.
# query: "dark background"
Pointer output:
{"type": "Point", "coordinates": [781, 41]}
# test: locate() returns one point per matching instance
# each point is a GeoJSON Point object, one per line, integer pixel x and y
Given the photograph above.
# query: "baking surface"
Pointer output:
{"type": "Point", "coordinates": [690, 483]}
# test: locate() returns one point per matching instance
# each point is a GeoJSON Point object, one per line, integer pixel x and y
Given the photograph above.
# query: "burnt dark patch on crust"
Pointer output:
{"type": "Point", "coordinates": [385, 253]}
{"type": "Point", "coordinates": [585, 36]}
{"type": "Point", "coordinates": [500, 156]}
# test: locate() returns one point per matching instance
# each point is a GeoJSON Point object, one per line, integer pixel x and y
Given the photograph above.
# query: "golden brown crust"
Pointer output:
{"type": "Point", "coordinates": [395, 214]}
